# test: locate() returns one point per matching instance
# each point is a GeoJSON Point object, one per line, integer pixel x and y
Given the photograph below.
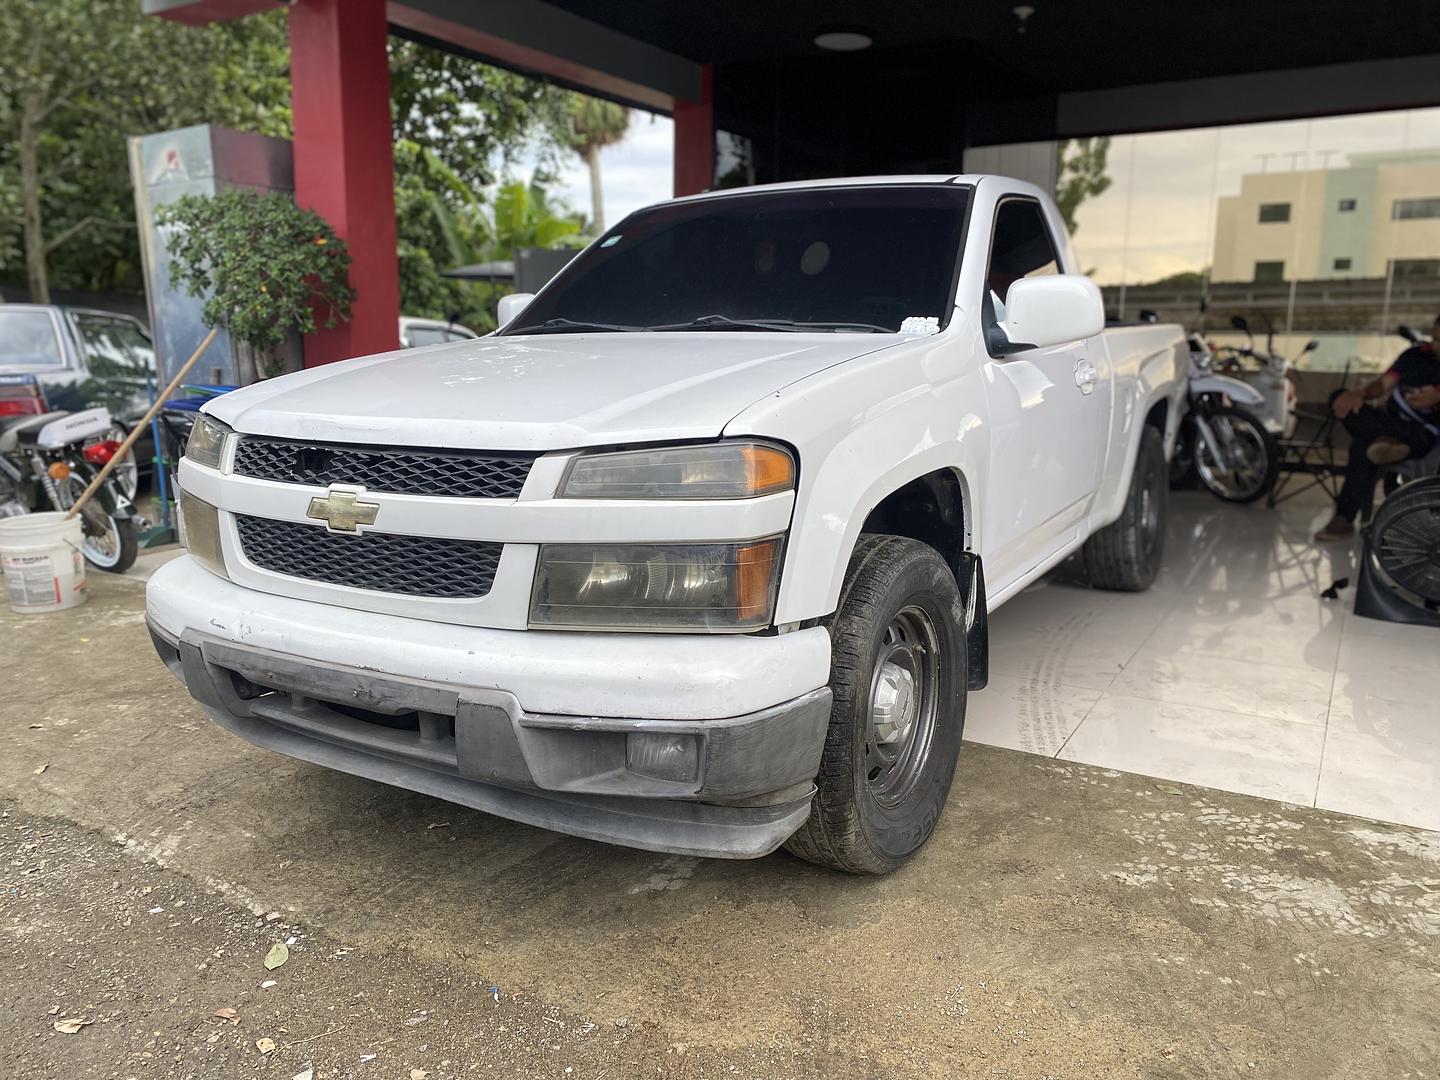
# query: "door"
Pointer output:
{"type": "Point", "coordinates": [1049, 411]}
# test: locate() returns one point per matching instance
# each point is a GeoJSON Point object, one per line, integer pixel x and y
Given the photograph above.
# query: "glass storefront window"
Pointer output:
{"type": "Point", "coordinates": [1326, 229]}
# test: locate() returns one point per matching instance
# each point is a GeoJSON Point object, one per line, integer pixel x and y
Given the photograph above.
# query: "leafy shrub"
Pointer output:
{"type": "Point", "coordinates": [268, 266]}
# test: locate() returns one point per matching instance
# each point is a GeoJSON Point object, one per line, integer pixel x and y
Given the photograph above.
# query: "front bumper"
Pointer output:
{"type": "Point", "coordinates": [476, 745]}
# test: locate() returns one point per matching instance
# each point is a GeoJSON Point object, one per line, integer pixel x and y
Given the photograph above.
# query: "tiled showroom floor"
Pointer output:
{"type": "Point", "coordinates": [1230, 672]}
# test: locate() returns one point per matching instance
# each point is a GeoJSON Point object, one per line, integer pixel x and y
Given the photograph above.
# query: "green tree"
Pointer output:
{"type": "Point", "coordinates": [442, 223]}
{"type": "Point", "coordinates": [473, 117]}
{"type": "Point", "coordinates": [1080, 173]}
{"type": "Point", "coordinates": [594, 125]}
{"type": "Point", "coordinates": [77, 76]}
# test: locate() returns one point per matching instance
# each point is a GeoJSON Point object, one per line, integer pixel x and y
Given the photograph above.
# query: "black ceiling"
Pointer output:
{"type": "Point", "coordinates": [1067, 44]}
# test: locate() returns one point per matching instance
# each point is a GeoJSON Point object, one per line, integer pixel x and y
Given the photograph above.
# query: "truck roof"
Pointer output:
{"type": "Point", "coordinates": [958, 179]}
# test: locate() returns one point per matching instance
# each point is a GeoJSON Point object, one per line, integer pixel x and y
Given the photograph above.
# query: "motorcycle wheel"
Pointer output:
{"type": "Point", "coordinates": [1254, 459]}
{"type": "Point", "coordinates": [108, 543]}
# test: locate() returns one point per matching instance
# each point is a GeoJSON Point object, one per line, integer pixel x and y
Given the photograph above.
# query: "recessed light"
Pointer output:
{"type": "Point", "coordinates": [844, 40]}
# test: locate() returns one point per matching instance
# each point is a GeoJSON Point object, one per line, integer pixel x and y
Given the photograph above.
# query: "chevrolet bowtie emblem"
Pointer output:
{"type": "Point", "coordinates": [343, 511]}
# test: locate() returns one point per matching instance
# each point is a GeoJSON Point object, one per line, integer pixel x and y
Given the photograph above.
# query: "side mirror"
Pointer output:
{"type": "Point", "coordinates": [1240, 323]}
{"type": "Point", "coordinates": [1311, 345]}
{"type": "Point", "coordinates": [1051, 310]}
{"type": "Point", "coordinates": [511, 306]}
{"type": "Point", "coordinates": [1409, 334]}
{"type": "Point", "coordinates": [1146, 315]}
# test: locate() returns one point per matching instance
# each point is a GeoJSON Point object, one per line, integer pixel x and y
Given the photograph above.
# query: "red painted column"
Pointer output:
{"type": "Point", "coordinates": [340, 93]}
{"type": "Point", "coordinates": [695, 138]}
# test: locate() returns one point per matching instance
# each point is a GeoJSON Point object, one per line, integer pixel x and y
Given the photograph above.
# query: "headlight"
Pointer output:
{"type": "Point", "coordinates": [736, 469]}
{"type": "Point", "coordinates": [200, 533]}
{"type": "Point", "coordinates": [716, 587]}
{"type": "Point", "coordinates": [206, 445]}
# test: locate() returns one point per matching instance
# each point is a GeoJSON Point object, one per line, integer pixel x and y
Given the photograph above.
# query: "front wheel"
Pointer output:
{"type": "Point", "coordinates": [1243, 462]}
{"type": "Point", "coordinates": [898, 677]}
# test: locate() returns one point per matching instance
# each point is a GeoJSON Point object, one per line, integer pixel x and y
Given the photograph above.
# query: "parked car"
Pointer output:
{"type": "Point", "coordinates": [82, 359]}
{"type": "Point", "coordinates": [416, 332]}
{"type": "Point", "coordinates": [696, 553]}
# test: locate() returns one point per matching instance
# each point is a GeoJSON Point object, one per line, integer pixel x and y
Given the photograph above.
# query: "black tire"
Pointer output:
{"type": "Point", "coordinates": [129, 547]}
{"type": "Point", "coordinates": [1125, 555]}
{"type": "Point", "coordinates": [877, 801]}
{"type": "Point", "coordinates": [1182, 464]}
{"type": "Point", "coordinates": [1249, 423]}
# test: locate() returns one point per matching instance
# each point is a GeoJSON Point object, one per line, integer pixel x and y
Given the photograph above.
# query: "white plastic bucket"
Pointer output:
{"type": "Point", "coordinates": [42, 560]}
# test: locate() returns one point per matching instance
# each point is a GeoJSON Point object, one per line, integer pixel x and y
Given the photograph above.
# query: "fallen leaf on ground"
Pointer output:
{"type": "Point", "coordinates": [417, 1074]}
{"type": "Point", "coordinates": [228, 1014]}
{"type": "Point", "coordinates": [71, 1026]}
{"type": "Point", "coordinates": [304, 1074]}
{"type": "Point", "coordinates": [1169, 789]}
{"type": "Point", "coordinates": [267, 984]}
{"type": "Point", "coordinates": [278, 954]}
{"type": "Point", "coordinates": [41, 769]}
{"type": "Point", "coordinates": [265, 1046]}
{"type": "Point", "coordinates": [439, 825]}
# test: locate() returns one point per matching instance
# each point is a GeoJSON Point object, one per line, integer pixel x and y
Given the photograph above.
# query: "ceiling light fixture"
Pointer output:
{"type": "Point", "coordinates": [843, 39]}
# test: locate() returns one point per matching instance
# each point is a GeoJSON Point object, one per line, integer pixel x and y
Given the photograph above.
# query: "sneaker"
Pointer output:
{"type": "Point", "coordinates": [1387, 451]}
{"type": "Point", "coordinates": [1337, 528]}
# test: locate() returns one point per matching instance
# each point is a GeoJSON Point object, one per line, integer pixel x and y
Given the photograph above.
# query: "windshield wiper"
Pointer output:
{"type": "Point", "coordinates": [725, 322]}
{"type": "Point", "coordinates": [560, 326]}
{"type": "Point", "coordinates": [792, 326]}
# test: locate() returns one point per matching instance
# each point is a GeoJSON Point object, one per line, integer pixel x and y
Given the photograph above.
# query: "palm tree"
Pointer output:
{"type": "Point", "coordinates": [595, 124]}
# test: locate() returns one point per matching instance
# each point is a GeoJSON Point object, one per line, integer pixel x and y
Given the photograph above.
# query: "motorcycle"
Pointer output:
{"type": "Point", "coordinates": [1268, 372]}
{"type": "Point", "coordinates": [47, 459]}
{"type": "Point", "coordinates": [1223, 441]}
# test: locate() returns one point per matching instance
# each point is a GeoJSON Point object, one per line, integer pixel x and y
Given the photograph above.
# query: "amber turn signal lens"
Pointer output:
{"type": "Point", "coordinates": [755, 579]}
{"type": "Point", "coordinates": [59, 471]}
{"type": "Point", "coordinates": [767, 469]}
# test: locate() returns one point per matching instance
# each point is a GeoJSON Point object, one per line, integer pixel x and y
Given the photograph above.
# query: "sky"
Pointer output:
{"type": "Point", "coordinates": [635, 172]}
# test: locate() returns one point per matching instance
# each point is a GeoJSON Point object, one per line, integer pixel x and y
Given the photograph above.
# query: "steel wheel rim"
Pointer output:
{"type": "Point", "coordinates": [1247, 449]}
{"type": "Point", "coordinates": [903, 705]}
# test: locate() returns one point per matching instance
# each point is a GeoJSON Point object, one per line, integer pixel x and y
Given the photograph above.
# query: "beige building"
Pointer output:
{"type": "Point", "coordinates": [1380, 212]}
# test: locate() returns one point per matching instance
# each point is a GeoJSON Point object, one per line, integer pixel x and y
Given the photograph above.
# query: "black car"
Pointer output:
{"type": "Point", "coordinates": [82, 358]}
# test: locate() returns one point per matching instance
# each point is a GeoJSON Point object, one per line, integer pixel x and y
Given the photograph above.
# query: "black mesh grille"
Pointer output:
{"type": "Point", "coordinates": [385, 562]}
{"type": "Point", "coordinates": [406, 472]}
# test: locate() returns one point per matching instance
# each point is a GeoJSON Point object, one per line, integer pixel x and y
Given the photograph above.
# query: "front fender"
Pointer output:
{"type": "Point", "coordinates": [863, 430]}
{"type": "Point", "coordinates": [1242, 393]}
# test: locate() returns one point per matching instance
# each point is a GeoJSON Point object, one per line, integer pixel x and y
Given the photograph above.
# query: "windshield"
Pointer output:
{"type": "Point", "coordinates": [27, 339]}
{"type": "Point", "coordinates": [862, 259]}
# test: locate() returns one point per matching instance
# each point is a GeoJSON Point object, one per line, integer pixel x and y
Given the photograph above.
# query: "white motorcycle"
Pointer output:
{"type": "Point", "coordinates": [1224, 441]}
{"type": "Point", "coordinates": [48, 458]}
{"type": "Point", "coordinates": [1267, 372]}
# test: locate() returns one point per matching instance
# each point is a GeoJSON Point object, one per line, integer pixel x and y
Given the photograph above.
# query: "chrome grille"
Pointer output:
{"type": "Point", "coordinates": [474, 475]}
{"type": "Point", "coordinates": [384, 562]}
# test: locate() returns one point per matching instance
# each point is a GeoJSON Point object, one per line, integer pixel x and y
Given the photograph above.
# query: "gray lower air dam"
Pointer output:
{"type": "Point", "coordinates": [732, 788]}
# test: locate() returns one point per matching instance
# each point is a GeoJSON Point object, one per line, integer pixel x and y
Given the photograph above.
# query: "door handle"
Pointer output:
{"type": "Point", "coordinates": [1085, 376]}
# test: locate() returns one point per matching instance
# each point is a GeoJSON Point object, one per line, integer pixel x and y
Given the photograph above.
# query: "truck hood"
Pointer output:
{"type": "Point", "coordinates": [541, 392]}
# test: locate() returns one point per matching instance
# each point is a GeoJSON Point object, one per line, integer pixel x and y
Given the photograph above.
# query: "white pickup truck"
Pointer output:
{"type": "Point", "coordinates": [695, 553]}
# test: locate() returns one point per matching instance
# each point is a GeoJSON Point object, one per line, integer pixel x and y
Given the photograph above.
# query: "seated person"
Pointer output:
{"type": "Point", "coordinates": [1389, 419]}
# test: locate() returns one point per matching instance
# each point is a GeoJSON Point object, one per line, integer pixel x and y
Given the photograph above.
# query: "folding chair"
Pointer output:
{"type": "Point", "coordinates": [1312, 459]}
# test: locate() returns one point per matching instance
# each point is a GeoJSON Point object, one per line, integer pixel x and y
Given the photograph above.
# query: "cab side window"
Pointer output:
{"type": "Point", "coordinates": [1021, 248]}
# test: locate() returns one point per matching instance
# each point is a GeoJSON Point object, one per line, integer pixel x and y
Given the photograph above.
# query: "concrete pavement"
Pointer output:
{"type": "Point", "coordinates": [1065, 921]}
